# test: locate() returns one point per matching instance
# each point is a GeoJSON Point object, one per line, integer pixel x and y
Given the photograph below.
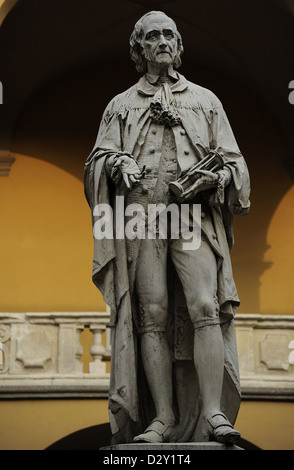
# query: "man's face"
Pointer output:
{"type": "Point", "coordinates": [159, 40]}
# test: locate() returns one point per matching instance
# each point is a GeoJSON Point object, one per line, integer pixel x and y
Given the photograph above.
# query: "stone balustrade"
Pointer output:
{"type": "Point", "coordinates": [266, 359]}
{"type": "Point", "coordinates": [40, 355]}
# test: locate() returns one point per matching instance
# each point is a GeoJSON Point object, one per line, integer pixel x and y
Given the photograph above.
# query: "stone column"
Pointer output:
{"type": "Point", "coordinates": [97, 350]}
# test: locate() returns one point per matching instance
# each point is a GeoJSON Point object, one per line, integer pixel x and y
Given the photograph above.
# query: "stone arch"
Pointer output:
{"type": "Point", "coordinates": [95, 437]}
{"type": "Point", "coordinates": [214, 38]}
{"type": "Point", "coordinates": [276, 291]}
{"type": "Point", "coordinates": [5, 7]}
{"type": "Point", "coordinates": [238, 73]}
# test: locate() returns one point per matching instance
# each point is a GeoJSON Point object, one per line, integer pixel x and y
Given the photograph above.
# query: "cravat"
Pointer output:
{"type": "Point", "coordinates": [162, 107]}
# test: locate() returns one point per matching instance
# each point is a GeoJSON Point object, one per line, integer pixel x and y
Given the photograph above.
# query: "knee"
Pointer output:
{"type": "Point", "coordinates": [203, 303]}
{"type": "Point", "coordinates": [204, 311]}
{"type": "Point", "coordinates": [208, 305]}
{"type": "Point", "coordinates": [153, 317]}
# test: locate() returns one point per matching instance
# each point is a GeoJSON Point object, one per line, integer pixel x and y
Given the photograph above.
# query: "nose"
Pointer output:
{"type": "Point", "coordinates": [162, 41]}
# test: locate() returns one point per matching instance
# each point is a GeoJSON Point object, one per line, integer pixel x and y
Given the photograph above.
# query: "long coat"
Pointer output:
{"type": "Point", "coordinates": [124, 124]}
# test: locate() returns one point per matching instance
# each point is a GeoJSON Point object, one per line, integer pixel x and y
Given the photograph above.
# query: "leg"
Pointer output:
{"type": "Point", "coordinates": [151, 290]}
{"type": "Point", "coordinates": [197, 270]}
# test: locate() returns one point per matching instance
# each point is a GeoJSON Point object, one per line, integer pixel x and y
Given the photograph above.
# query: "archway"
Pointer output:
{"type": "Point", "coordinates": [59, 124]}
{"type": "Point", "coordinates": [95, 437]}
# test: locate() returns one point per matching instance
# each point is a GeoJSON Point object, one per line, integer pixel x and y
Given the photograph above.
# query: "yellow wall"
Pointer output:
{"type": "Point", "coordinates": [35, 425]}
{"type": "Point", "coordinates": [46, 251]}
{"type": "Point", "coordinates": [268, 424]}
{"type": "Point", "coordinates": [276, 284]}
{"type": "Point", "coordinates": [262, 255]}
{"type": "Point", "coordinates": [46, 246]}
{"type": "Point", "coordinates": [45, 241]}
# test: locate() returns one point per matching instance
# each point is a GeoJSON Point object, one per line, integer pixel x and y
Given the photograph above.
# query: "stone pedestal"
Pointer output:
{"type": "Point", "coordinates": [175, 447]}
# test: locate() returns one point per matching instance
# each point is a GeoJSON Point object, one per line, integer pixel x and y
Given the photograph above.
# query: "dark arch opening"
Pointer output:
{"type": "Point", "coordinates": [95, 437]}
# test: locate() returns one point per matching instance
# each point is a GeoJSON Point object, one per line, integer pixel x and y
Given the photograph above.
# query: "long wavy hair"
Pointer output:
{"type": "Point", "coordinates": [136, 48]}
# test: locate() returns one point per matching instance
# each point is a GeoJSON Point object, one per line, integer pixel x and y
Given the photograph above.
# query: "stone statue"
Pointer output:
{"type": "Point", "coordinates": [174, 368]}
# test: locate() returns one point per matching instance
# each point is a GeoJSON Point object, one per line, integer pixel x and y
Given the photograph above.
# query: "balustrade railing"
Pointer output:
{"type": "Point", "coordinates": [42, 354]}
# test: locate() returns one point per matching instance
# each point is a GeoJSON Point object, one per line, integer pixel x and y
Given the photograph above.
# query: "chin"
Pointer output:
{"type": "Point", "coordinates": [164, 61]}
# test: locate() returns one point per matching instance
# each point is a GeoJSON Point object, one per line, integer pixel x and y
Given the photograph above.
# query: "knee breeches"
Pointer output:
{"type": "Point", "coordinates": [197, 271]}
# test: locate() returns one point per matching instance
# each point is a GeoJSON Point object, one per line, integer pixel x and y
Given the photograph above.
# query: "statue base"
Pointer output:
{"type": "Point", "coordinates": [171, 447]}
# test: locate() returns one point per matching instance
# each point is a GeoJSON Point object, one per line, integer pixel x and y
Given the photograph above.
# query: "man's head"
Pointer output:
{"type": "Point", "coordinates": [156, 40]}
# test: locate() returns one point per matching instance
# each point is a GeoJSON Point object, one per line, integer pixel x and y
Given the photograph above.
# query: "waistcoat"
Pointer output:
{"type": "Point", "coordinates": [166, 153]}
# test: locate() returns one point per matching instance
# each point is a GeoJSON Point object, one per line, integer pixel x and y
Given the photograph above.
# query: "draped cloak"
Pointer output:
{"type": "Point", "coordinates": [124, 125]}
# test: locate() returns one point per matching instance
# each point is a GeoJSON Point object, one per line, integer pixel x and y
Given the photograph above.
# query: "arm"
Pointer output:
{"type": "Point", "coordinates": [118, 164]}
{"type": "Point", "coordinates": [235, 181]}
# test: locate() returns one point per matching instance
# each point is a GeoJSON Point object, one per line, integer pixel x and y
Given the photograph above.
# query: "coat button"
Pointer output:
{"type": "Point", "coordinates": [202, 215]}
{"type": "Point", "coordinates": [129, 260]}
{"type": "Point", "coordinates": [152, 150]}
{"type": "Point", "coordinates": [214, 236]}
{"type": "Point", "coordinates": [186, 152]}
{"type": "Point", "coordinates": [144, 189]}
{"type": "Point", "coordinates": [182, 131]}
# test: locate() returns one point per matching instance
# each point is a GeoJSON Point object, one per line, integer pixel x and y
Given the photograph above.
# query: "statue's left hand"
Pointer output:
{"type": "Point", "coordinates": [206, 180]}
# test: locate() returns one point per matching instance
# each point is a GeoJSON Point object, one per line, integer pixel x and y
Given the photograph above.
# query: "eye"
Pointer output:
{"type": "Point", "coordinates": [168, 34]}
{"type": "Point", "coordinates": [152, 36]}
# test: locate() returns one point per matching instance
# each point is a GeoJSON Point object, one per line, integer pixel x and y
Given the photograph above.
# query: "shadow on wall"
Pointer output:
{"type": "Point", "coordinates": [95, 437]}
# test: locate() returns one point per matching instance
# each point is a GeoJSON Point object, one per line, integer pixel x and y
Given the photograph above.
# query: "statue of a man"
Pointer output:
{"type": "Point", "coordinates": [174, 370]}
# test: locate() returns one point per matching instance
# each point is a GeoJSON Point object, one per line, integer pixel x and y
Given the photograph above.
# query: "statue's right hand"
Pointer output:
{"type": "Point", "coordinates": [129, 169]}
